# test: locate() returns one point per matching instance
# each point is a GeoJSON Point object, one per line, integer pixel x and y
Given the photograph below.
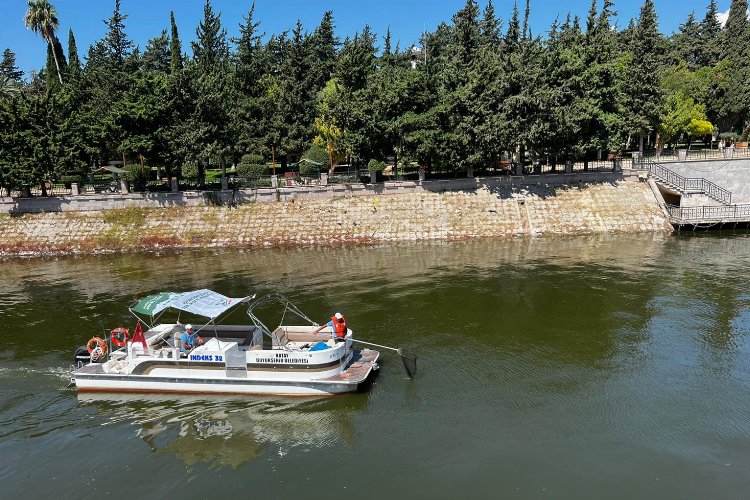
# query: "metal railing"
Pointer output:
{"type": "Point", "coordinates": [671, 155]}
{"type": "Point", "coordinates": [689, 185]}
{"type": "Point", "coordinates": [709, 214]}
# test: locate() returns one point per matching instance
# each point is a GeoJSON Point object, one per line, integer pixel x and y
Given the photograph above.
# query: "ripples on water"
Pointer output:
{"type": "Point", "coordinates": [543, 363]}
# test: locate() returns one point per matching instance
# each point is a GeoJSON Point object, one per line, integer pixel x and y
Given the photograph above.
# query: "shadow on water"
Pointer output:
{"type": "Point", "coordinates": [229, 431]}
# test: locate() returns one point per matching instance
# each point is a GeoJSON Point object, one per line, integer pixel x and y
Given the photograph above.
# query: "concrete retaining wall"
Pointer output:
{"type": "Point", "coordinates": [497, 209]}
{"type": "Point", "coordinates": [91, 202]}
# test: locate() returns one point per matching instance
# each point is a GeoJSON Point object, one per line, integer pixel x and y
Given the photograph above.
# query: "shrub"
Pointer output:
{"type": "Point", "coordinates": [251, 165]}
{"type": "Point", "coordinates": [190, 172]}
{"type": "Point", "coordinates": [729, 137]}
{"type": "Point", "coordinates": [317, 154]}
{"type": "Point", "coordinates": [252, 159]}
{"type": "Point", "coordinates": [139, 175]}
{"type": "Point", "coordinates": [309, 168]}
{"type": "Point", "coordinates": [376, 165]}
{"type": "Point", "coordinates": [69, 179]}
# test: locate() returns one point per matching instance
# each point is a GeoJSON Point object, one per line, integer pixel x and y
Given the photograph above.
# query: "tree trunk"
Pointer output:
{"type": "Point", "coordinates": [640, 143]}
{"type": "Point", "coordinates": [330, 156]}
{"type": "Point", "coordinates": [57, 64]}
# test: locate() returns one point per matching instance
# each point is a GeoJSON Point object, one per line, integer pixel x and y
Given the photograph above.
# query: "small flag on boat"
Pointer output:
{"type": "Point", "coordinates": [138, 336]}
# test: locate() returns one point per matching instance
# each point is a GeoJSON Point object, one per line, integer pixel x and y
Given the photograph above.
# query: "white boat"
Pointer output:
{"type": "Point", "coordinates": [234, 359]}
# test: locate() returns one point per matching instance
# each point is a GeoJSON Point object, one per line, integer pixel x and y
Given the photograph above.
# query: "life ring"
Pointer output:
{"type": "Point", "coordinates": [97, 342]}
{"type": "Point", "coordinates": [119, 336]}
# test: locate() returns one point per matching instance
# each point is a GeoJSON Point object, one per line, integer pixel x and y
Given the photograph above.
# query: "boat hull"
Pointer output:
{"type": "Point", "coordinates": [92, 378]}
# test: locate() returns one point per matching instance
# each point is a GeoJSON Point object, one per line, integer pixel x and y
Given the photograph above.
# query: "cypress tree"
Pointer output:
{"type": "Point", "coordinates": [735, 36]}
{"type": "Point", "coordinates": [175, 48]}
{"type": "Point", "coordinates": [74, 62]}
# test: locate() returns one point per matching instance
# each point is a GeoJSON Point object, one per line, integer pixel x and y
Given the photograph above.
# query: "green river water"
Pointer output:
{"type": "Point", "coordinates": [587, 367]}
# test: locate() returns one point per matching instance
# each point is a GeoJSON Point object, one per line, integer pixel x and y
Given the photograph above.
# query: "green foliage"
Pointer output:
{"type": "Point", "coordinates": [729, 137]}
{"type": "Point", "coordinates": [478, 94]}
{"type": "Point", "coordinates": [138, 175]}
{"type": "Point", "coordinates": [252, 159]}
{"type": "Point", "coordinates": [308, 169]}
{"type": "Point", "coordinates": [251, 165]}
{"type": "Point", "coordinates": [317, 154]}
{"type": "Point", "coordinates": [190, 172]}
{"type": "Point", "coordinates": [375, 165]}
{"type": "Point", "coordinates": [699, 128]}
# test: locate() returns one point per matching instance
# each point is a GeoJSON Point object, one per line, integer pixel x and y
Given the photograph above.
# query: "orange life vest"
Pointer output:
{"type": "Point", "coordinates": [339, 329]}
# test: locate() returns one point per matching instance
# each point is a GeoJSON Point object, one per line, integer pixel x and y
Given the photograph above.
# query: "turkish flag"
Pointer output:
{"type": "Point", "coordinates": [139, 337]}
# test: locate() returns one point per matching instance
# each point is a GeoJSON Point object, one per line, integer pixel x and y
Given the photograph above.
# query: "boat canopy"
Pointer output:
{"type": "Point", "coordinates": [206, 303]}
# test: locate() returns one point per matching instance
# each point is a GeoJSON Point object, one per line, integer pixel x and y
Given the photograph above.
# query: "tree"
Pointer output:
{"type": "Point", "coordinates": [41, 18]}
{"type": "Point", "coordinates": [710, 33]}
{"type": "Point", "coordinates": [324, 44]}
{"type": "Point", "coordinates": [643, 97]}
{"type": "Point", "coordinates": [74, 63]}
{"type": "Point", "coordinates": [326, 123]}
{"type": "Point", "coordinates": [116, 43]}
{"type": "Point", "coordinates": [175, 48]}
{"type": "Point", "coordinates": [8, 88]}
{"type": "Point", "coordinates": [8, 67]}
{"type": "Point", "coordinates": [210, 49]}
{"type": "Point", "coordinates": [251, 116]}
{"type": "Point", "coordinates": [156, 57]}
{"type": "Point", "coordinates": [730, 104]}
{"type": "Point", "coordinates": [688, 42]}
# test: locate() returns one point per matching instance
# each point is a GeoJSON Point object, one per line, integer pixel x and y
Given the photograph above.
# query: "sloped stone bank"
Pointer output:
{"type": "Point", "coordinates": [497, 212]}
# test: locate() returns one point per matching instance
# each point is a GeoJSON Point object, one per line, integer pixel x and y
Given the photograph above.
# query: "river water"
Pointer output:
{"type": "Point", "coordinates": [587, 367]}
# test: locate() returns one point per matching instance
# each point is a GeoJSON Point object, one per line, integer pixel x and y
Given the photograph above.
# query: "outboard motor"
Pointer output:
{"type": "Point", "coordinates": [83, 357]}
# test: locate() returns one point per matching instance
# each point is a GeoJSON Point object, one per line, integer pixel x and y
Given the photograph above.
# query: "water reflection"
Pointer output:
{"type": "Point", "coordinates": [230, 431]}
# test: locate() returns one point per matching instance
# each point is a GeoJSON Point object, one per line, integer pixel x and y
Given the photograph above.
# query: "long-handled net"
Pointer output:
{"type": "Point", "coordinates": [410, 363]}
{"type": "Point", "coordinates": [409, 360]}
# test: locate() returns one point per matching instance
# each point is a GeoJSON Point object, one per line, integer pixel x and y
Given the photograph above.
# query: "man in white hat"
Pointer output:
{"type": "Point", "coordinates": [190, 339]}
{"type": "Point", "coordinates": [338, 327]}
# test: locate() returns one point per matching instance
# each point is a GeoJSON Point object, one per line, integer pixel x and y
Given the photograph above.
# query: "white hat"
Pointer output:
{"type": "Point", "coordinates": [188, 327]}
{"type": "Point", "coordinates": [338, 316]}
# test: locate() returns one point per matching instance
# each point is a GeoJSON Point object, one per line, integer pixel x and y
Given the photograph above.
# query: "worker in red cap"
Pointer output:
{"type": "Point", "coordinates": [338, 327]}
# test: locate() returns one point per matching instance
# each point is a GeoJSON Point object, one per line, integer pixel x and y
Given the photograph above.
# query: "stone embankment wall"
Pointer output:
{"type": "Point", "coordinates": [502, 211]}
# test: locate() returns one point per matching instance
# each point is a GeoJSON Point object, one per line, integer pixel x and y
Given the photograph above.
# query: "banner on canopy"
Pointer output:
{"type": "Point", "coordinates": [206, 303]}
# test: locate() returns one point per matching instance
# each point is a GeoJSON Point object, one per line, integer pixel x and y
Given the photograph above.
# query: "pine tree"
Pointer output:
{"type": "Point", "coordinates": [210, 49]}
{"type": "Point", "coordinates": [643, 96]}
{"type": "Point", "coordinates": [251, 65]}
{"type": "Point", "coordinates": [730, 106]}
{"type": "Point", "coordinates": [8, 67]}
{"type": "Point", "coordinates": [324, 43]}
{"type": "Point", "coordinates": [710, 32]}
{"type": "Point", "coordinates": [490, 27]}
{"type": "Point", "coordinates": [688, 43]}
{"type": "Point", "coordinates": [156, 57]}
{"type": "Point", "coordinates": [116, 42]}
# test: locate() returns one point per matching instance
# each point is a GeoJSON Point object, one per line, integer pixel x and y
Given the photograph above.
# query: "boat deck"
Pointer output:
{"type": "Point", "coordinates": [359, 369]}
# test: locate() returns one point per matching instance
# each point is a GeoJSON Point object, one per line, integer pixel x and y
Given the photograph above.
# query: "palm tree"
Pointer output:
{"type": "Point", "coordinates": [41, 18]}
{"type": "Point", "coordinates": [8, 88]}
